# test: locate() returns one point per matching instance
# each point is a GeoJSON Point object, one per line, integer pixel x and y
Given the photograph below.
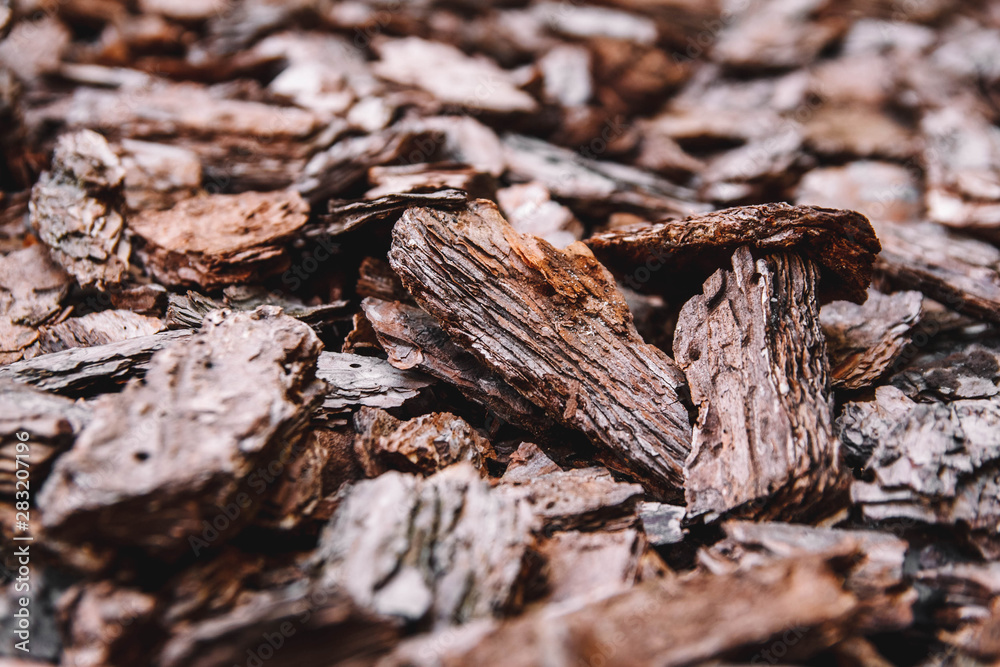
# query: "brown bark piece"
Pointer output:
{"type": "Point", "coordinates": [355, 381]}
{"type": "Point", "coordinates": [32, 287]}
{"type": "Point", "coordinates": [86, 369]}
{"type": "Point", "coordinates": [76, 210]}
{"type": "Point", "coordinates": [216, 240]}
{"type": "Point", "coordinates": [578, 499]}
{"type": "Point", "coordinates": [961, 273]}
{"type": "Point", "coordinates": [94, 618]}
{"type": "Point", "coordinates": [241, 389]}
{"type": "Point", "coordinates": [414, 340]}
{"type": "Point", "coordinates": [864, 341]}
{"type": "Point", "coordinates": [970, 370]}
{"type": "Point", "coordinates": [376, 279]}
{"type": "Point", "coordinates": [481, 539]}
{"type": "Point", "coordinates": [877, 578]}
{"type": "Point", "coordinates": [423, 445]}
{"type": "Point", "coordinates": [708, 616]}
{"type": "Point", "coordinates": [842, 243]}
{"type": "Point", "coordinates": [590, 566]}
{"type": "Point", "coordinates": [100, 328]}
{"type": "Point", "coordinates": [755, 359]}
{"type": "Point", "coordinates": [553, 325]}
{"type": "Point", "coordinates": [350, 216]}
{"type": "Point", "coordinates": [51, 423]}
{"type": "Point", "coordinates": [158, 176]}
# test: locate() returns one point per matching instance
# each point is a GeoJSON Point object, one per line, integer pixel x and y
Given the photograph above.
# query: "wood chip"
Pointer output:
{"type": "Point", "coordinates": [76, 210]}
{"type": "Point", "coordinates": [216, 240]}
{"type": "Point", "coordinates": [755, 358]}
{"type": "Point", "coordinates": [32, 288]}
{"type": "Point", "coordinates": [842, 243]}
{"type": "Point", "coordinates": [146, 434]}
{"type": "Point", "coordinates": [535, 314]}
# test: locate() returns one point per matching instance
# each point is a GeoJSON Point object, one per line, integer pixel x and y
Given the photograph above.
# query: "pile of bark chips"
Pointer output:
{"type": "Point", "coordinates": [514, 333]}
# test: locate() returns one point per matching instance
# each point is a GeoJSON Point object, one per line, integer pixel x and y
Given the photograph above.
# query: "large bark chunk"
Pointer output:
{"type": "Point", "coordinates": [448, 548]}
{"type": "Point", "coordinates": [755, 358]}
{"type": "Point", "coordinates": [216, 240]}
{"type": "Point", "coordinates": [864, 341]}
{"type": "Point", "coordinates": [76, 210]}
{"type": "Point", "coordinates": [157, 461]}
{"type": "Point", "coordinates": [553, 325]}
{"type": "Point", "coordinates": [841, 242]}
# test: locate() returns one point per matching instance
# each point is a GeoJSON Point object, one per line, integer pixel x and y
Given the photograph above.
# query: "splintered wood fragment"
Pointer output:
{"type": "Point", "coordinates": [189, 310]}
{"type": "Point", "coordinates": [755, 359]}
{"type": "Point", "coordinates": [877, 579]}
{"type": "Point", "coordinates": [578, 499]}
{"type": "Point", "coordinates": [52, 422]}
{"type": "Point", "coordinates": [937, 463]}
{"type": "Point", "coordinates": [482, 539]}
{"type": "Point", "coordinates": [350, 216]}
{"type": "Point", "coordinates": [842, 243]}
{"type": "Point", "coordinates": [82, 369]}
{"type": "Point", "coordinates": [242, 389]}
{"type": "Point", "coordinates": [76, 210]}
{"type": "Point", "coordinates": [414, 340]}
{"type": "Point", "coordinates": [864, 341]}
{"type": "Point", "coordinates": [552, 324]}
{"type": "Point", "coordinates": [32, 287]}
{"type": "Point", "coordinates": [100, 328]}
{"type": "Point", "coordinates": [961, 273]}
{"type": "Point", "coordinates": [214, 240]}
{"type": "Point", "coordinates": [422, 445]}
{"type": "Point", "coordinates": [707, 616]}
{"type": "Point", "coordinates": [355, 381]}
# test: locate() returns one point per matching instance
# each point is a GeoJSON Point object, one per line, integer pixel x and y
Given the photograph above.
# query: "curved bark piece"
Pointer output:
{"type": "Point", "coordinates": [842, 243]}
{"type": "Point", "coordinates": [755, 358]}
{"type": "Point", "coordinates": [554, 325]}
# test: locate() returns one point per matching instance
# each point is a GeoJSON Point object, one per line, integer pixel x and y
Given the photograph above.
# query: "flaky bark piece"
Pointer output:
{"type": "Point", "coordinates": [414, 340]}
{"type": "Point", "coordinates": [76, 210]}
{"type": "Point", "coordinates": [159, 460]}
{"type": "Point", "coordinates": [356, 381]}
{"type": "Point", "coordinates": [82, 369]}
{"type": "Point", "coordinates": [842, 243]}
{"type": "Point", "coordinates": [215, 240]}
{"type": "Point", "coordinates": [755, 359]}
{"type": "Point", "coordinates": [865, 340]}
{"type": "Point", "coordinates": [961, 273]}
{"type": "Point", "coordinates": [32, 287]}
{"type": "Point", "coordinates": [554, 325]}
{"type": "Point", "coordinates": [448, 548]}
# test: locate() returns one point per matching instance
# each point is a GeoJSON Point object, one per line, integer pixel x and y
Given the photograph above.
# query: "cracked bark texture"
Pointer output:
{"type": "Point", "coordinates": [755, 359]}
{"type": "Point", "coordinates": [76, 210]}
{"type": "Point", "coordinates": [160, 459]}
{"type": "Point", "coordinates": [554, 325]}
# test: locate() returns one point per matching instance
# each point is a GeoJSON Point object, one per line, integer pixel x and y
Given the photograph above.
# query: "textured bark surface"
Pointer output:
{"type": "Point", "coordinates": [961, 273]}
{"type": "Point", "coordinates": [100, 328]}
{"type": "Point", "coordinates": [447, 548]}
{"type": "Point", "coordinates": [422, 445]}
{"type": "Point", "coordinates": [755, 358]}
{"type": "Point", "coordinates": [216, 240]}
{"type": "Point", "coordinates": [842, 243]}
{"type": "Point", "coordinates": [83, 369]}
{"type": "Point", "coordinates": [32, 287]}
{"type": "Point", "coordinates": [348, 217]}
{"type": "Point", "coordinates": [242, 389]}
{"type": "Point", "coordinates": [356, 381]}
{"type": "Point", "coordinates": [414, 340]}
{"type": "Point", "coordinates": [536, 312]}
{"type": "Point", "coordinates": [707, 616]}
{"type": "Point", "coordinates": [934, 463]}
{"type": "Point", "coordinates": [864, 341]}
{"type": "Point", "coordinates": [76, 210]}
